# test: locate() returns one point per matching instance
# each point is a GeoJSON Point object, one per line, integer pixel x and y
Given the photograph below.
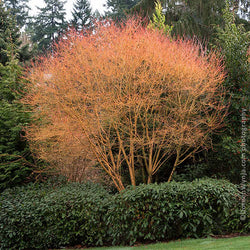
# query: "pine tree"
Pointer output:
{"type": "Point", "coordinates": [19, 9]}
{"type": "Point", "coordinates": [81, 15]}
{"type": "Point", "coordinates": [49, 24]}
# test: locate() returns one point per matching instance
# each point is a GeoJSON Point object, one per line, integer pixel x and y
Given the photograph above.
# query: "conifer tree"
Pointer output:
{"type": "Point", "coordinates": [81, 15]}
{"type": "Point", "coordinates": [197, 18]}
{"type": "Point", "coordinates": [9, 31]}
{"type": "Point", "coordinates": [49, 24]}
{"type": "Point", "coordinates": [14, 151]}
{"type": "Point", "coordinates": [19, 9]}
{"type": "Point", "coordinates": [117, 8]}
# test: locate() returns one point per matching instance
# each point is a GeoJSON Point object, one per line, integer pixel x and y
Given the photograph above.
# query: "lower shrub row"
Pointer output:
{"type": "Point", "coordinates": [52, 216]}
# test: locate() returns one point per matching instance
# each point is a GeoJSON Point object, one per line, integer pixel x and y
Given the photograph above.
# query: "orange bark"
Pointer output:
{"type": "Point", "coordinates": [126, 94]}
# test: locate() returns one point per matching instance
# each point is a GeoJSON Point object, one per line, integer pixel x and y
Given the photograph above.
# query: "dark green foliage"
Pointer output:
{"type": "Point", "coordinates": [81, 15]}
{"type": "Point", "coordinates": [15, 164]}
{"type": "Point", "coordinates": [234, 42]}
{"type": "Point", "coordinates": [19, 9]}
{"type": "Point", "coordinates": [49, 24]}
{"type": "Point", "coordinates": [216, 167]}
{"type": "Point", "coordinates": [55, 214]}
{"type": "Point", "coordinates": [51, 215]}
{"type": "Point", "coordinates": [197, 18]}
{"type": "Point", "coordinates": [117, 9]}
{"type": "Point", "coordinates": [14, 151]}
{"type": "Point", "coordinates": [172, 210]}
{"type": "Point", "coordinates": [9, 33]}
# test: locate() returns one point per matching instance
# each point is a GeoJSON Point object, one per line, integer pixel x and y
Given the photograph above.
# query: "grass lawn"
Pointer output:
{"type": "Point", "coordinates": [238, 243]}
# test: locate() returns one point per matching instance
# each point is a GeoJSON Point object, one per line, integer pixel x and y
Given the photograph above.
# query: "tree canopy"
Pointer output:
{"type": "Point", "coordinates": [81, 15]}
{"type": "Point", "coordinates": [19, 9]}
{"type": "Point", "coordinates": [128, 95]}
{"type": "Point", "coordinates": [49, 24]}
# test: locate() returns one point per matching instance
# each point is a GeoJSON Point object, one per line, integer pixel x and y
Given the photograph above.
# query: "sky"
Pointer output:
{"type": "Point", "coordinates": [95, 4]}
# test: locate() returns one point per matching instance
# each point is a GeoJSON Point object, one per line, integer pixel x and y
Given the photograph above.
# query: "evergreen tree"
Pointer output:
{"type": "Point", "coordinates": [192, 18]}
{"type": "Point", "coordinates": [19, 9]}
{"type": "Point", "coordinates": [234, 42]}
{"type": "Point", "coordinates": [81, 15]}
{"type": "Point", "coordinates": [117, 8]}
{"type": "Point", "coordinates": [14, 160]}
{"type": "Point", "coordinates": [9, 32]}
{"type": "Point", "coordinates": [49, 24]}
{"type": "Point", "coordinates": [159, 20]}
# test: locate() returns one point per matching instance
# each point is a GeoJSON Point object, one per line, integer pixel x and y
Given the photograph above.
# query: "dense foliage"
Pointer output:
{"type": "Point", "coordinates": [48, 215]}
{"type": "Point", "coordinates": [19, 9]}
{"type": "Point", "coordinates": [14, 151]}
{"type": "Point", "coordinates": [174, 210]}
{"type": "Point", "coordinates": [10, 34]}
{"type": "Point", "coordinates": [15, 164]}
{"type": "Point", "coordinates": [54, 215]}
{"type": "Point", "coordinates": [117, 9]}
{"type": "Point", "coordinates": [49, 24]}
{"type": "Point", "coordinates": [196, 18]}
{"type": "Point", "coordinates": [82, 18]}
{"type": "Point", "coordinates": [233, 41]}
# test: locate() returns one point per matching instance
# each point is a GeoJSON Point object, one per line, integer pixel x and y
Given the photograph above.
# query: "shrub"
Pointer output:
{"type": "Point", "coordinates": [128, 95]}
{"type": "Point", "coordinates": [49, 215]}
{"type": "Point", "coordinates": [55, 214]}
{"type": "Point", "coordinates": [174, 210]}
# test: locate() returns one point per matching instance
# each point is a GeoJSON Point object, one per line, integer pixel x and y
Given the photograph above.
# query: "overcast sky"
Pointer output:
{"type": "Point", "coordinates": [95, 4]}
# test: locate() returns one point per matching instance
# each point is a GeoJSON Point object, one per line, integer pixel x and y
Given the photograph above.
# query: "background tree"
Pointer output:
{"type": "Point", "coordinates": [15, 163]}
{"type": "Point", "coordinates": [233, 42]}
{"type": "Point", "coordinates": [81, 15]}
{"type": "Point", "coordinates": [117, 8]}
{"type": "Point", "coordinates": [8, 30]}
{"type": "Point", "coordinates": [159, 20]}
{"type": "Point", "coordinates": [193, 18]}
{"type": "Point", "coordinates": [19, 9]}
{"type": "Point", "coordinates": [49, 24]}
{"type": "Point", "coordinates": [134, 111]}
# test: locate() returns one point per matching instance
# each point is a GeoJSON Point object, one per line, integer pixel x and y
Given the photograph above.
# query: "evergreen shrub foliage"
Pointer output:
{"type": "Point", "coordinates": [55, 215]}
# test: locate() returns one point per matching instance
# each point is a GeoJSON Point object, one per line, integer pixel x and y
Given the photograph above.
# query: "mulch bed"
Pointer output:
{"type": "Point", "coordinates": [228, 235]}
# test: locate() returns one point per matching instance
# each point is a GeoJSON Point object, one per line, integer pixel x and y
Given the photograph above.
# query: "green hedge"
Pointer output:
{"type": "Point", "coordinates": [44, 216]}
{"type": "Point", "coordinates": [51, 216]}
{"type": "Point", "coordinates": [175, 210]}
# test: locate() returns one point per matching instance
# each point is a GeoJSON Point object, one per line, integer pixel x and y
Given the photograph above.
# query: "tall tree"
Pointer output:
{"type": "Point", "coordinates": [14, 166]}
{"type": "Point", "coordinates": [117, 8]}
{"type": "Point", "coordinates": [49, 24]}
{"type": "Point", "coordinates": [192, 18]}
{"type": "Point", "coordinates": [19, 9]}
{"type": "Point", "coordinates": [9, 31]}
{"type": "Point", "coordinates": [81, 15]}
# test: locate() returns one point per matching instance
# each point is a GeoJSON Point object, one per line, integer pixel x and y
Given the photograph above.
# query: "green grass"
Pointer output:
{"type": "Point", "coordinates": [236, 243]}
